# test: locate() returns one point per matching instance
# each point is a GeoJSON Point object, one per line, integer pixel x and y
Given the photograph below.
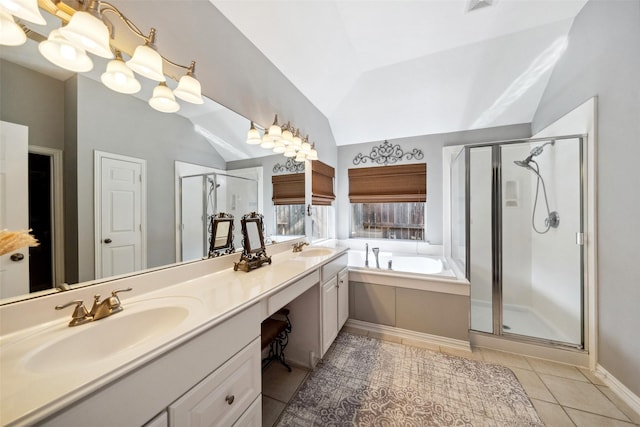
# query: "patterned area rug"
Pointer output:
{"type": "Point", "coordinates": [367, 382]}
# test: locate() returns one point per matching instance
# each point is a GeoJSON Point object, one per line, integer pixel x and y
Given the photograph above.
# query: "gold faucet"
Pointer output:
{"type": "Point", "coordinates": [80, 314]}
{"type": "Point", "coordinates": [297, 247]}
{"type": "Point", "coordinates": [108, 306]}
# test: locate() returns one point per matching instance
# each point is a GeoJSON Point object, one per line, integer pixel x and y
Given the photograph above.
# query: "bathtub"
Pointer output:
{"type": "Point", "coordinates": [403, 263]}
{"type": "Point", "coordinates": [423, 272]}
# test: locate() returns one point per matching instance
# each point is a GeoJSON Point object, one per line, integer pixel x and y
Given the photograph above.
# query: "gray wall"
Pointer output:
{"type": "Point", "coordinates": [130, 127]}
{"type": "Point", "coordinates": [431, 146]}
{"type": "Point", "coordinates": [41, 108]}
{"type": "Point", "coordinates": [603, 60]}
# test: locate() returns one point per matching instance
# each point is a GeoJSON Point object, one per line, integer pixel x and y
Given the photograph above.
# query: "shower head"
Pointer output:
{"type": "Point", "coordinates": [535, 151]}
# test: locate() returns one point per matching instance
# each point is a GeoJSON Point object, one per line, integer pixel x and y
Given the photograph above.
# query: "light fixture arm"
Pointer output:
{"type": "Point", "coordinates": [108, 7]}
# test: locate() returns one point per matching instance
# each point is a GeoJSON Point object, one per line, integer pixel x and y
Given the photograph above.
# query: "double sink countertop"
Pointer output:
{"type": "Point", "coordinates": [48, 366]}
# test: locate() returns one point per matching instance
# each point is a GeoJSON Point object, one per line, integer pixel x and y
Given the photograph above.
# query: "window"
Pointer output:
{"type": "Point", "coordinates": [289, 220]}
{"type": "Point", "coordinates": [388, 220]}
{"type": "Point", "coordinates": [288, 200]}
{"type": "Point", "coordinates": [388, 202]}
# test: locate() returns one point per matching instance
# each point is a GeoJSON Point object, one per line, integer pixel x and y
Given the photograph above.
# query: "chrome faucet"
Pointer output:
{"type": "Point", "coordinates": [108, 306]}
{"type": "Point", "coordinates": [376, 251]}
{"type": "Point", "coordinates": [366, 255]}
{"type": "Point", "coordinates": [297, 247]}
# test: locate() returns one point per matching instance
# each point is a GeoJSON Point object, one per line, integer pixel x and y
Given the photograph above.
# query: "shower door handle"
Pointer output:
{"type": "Point", "coordinates": [580, 238]}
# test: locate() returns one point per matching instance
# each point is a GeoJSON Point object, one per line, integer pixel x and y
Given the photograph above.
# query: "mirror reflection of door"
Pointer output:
{"type": "Point", "coordinates": [14, 275]}
{"type": "Point", "coordinates": [119, 241]}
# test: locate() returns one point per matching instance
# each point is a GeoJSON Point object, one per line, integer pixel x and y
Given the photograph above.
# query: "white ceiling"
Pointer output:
{"type": "Point", "coordinates": [389, 69]}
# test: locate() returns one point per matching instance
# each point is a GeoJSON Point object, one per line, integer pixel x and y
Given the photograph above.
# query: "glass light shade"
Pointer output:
{"type": "Point", "coordinates": [120, 78]}
{"type": "Point", "coordinates": [287, 136]}
{"type": "Point", "coordinates": [89, 32]}
{"type": "Point", "coordinates": [279, 147]}
{"type": "Point", "coordinates": [267, 142]}
{"type": "Point", "coordinates": [290, 151]}
{"type": "Point", "coordinates": [253, 136]}
{"type": "Point", "coordinates": [297, 141]}
{"type": "Point", "coordinates": [10, 33]}
{"type": "Point", "coordinates": [313, 154]}
{"type": "Point", "coordinates": [24, 9]}
{"type": "Point", "coordinates": [65, 53]}
{"type": "Point", "coordinates": [275, 131]}
{"type": "Point", "coordinates": [147, 62]}
{"type": "Point", "coordinates": [300, 157]}
{"type": "Point", "coordinates": [305, 148]}
{"type": "Point", "coordinates": [163, 99]}
{"type": "Point", "coordinates": [189, 90]}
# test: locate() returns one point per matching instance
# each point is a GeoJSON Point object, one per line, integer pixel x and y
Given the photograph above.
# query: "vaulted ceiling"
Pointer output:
{"type": "Point", "coordinates": [389, 69]}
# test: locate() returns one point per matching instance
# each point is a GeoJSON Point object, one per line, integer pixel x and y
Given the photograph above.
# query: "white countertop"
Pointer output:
{"type": "Point", "coordinates": [30, 391]}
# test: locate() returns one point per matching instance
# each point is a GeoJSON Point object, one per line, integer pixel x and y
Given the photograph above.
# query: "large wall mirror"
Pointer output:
{"type": "Point", "coordinates": [77, 127]}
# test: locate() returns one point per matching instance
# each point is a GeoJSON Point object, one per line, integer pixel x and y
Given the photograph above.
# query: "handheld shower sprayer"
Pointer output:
{"type": "Point", "coordinates": [553, 218]}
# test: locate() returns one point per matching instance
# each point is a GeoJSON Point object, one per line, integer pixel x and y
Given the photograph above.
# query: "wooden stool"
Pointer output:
{"type": "Point", "coordinates": [275, 334]}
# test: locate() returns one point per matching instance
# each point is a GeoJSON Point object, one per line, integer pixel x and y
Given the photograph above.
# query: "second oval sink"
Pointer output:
{"type": "Point", "coordinates": [314, 252]}
{"type": "Point", "coordinates": [94, 342]}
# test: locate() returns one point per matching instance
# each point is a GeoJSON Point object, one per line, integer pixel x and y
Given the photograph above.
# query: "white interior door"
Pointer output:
{"type": "Point", "coordinates": [120, 204]}
{"type": "Point", "coordinates": [14, 205]}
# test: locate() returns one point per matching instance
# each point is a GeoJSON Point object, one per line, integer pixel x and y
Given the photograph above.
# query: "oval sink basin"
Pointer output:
{"type": "Point", "coordinates": [94, 342]}
{"type": "Point", "coordinates": [313, 252]}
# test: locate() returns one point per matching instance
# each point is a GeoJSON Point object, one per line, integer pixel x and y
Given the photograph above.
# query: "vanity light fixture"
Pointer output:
{"type": "Point", "coordinates": [10, 33]}
{"type": "Point", "coordinates": [287, 135]}
{"type": "Point", "coordinates": [163, 99]}
{"type": "Point", "coordinates": [253, 136]}
{"type": "Point", "coordinates": [297, 141]}
{"type": "Point", "coordinates": [290, 151]}
{"type": "Point", "coordinates": [189, 88]}
{"type": "Point", "coordinates": [306, 147]}
{"type": "Point", "coordinates": [24, 9]}
{"type": "Point", "coordinates": [87, 28]}
{"type": "Point", "coordinates": [119, 77]}
{"type": "Point", "coordinates": [275, 131]}
{"type": "Point", "coordinates": [64, 53]}
{"type": "Point", "coordinates": [267, 142]}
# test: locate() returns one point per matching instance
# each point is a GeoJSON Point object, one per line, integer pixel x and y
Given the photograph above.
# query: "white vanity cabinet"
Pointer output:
{"type": "Point", "coordinates": [332, 305]}
{"type": "Point", "coordinates": [343, 297]}
{"type": "Point", "coordinates": [222, 397]}
{"type": "Point", "coordinates": [194, 381]}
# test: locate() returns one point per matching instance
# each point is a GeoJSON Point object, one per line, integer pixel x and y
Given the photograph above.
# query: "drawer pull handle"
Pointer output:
{"type": "Point", "coordinates": [230, 399]}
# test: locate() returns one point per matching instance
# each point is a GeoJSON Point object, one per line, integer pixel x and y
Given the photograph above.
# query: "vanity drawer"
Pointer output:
{"type": "Point", "coordinates": [291, 292]}
{"type": "Point", "coordinates": [332, 268]}
{"type": "Point", "coordinates": [222, 397]}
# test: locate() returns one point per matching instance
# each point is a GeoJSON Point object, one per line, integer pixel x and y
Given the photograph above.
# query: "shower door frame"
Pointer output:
{"type": "Point", "coordinates": [496, 238]}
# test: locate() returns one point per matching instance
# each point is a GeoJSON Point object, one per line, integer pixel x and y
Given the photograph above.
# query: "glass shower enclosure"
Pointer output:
{"type": "Point", "coordinates": [204, 195]}
{"type": "Point", "coordinates": [517, 232]}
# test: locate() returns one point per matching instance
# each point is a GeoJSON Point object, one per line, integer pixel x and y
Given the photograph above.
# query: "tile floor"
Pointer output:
{"type": "Point", "coordinates": [563, 395]}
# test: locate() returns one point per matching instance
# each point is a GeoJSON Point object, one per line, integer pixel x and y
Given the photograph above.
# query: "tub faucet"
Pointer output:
{"type": "Point", "coordinates": [376, 251]}
{"type": "Point", "coordinates": [366, 255]}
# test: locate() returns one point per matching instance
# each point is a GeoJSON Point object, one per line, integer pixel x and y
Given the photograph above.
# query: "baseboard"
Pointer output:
{"type": "Point", "coordinates": [629, 397]}
{"type": "Point", "coordinates": [412, 335]}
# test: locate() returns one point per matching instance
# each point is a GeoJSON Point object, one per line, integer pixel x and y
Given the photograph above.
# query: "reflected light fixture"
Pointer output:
{"type": "Point", "coordinates": [313, 153]}
{"type": "Point", "coordinates": [287, 143]}
{"type": "Point", "coordinates": [253, 136]}
{"type": "Point", "coordinates": [275, 131]}
{"type": "Point", "coordinates": [87, 30]}
{"type": "Point", "coordinates": [24, 9]}
{"type": "Point", "coordinates": [119, 77]}
{"type": "Point", "coordinates": [163, 99]}
{"type": "Point", "coordinates": [189, 88]}
{"type": "Point", "coordinates": [10, 33]}
{"type": "Point", "coordinates": [65, 53]}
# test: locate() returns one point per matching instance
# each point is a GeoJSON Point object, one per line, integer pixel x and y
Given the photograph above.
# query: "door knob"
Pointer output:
{"type": "Point", "coordinates": [107, 241]}
{"type": "Point", "coordinates": [17, 257]}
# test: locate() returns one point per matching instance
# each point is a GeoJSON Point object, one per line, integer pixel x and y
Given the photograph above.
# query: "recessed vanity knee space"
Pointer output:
{"type": "Point", "coordinates": [197, 357]}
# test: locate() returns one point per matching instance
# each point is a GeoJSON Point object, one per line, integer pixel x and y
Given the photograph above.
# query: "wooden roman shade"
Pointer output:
{"type": "Point", "coordinates": [388, 184]}
{"type": "Point", "coordinates": [288, 189]}
{"type": "Point", "coordinates": [322, 183]}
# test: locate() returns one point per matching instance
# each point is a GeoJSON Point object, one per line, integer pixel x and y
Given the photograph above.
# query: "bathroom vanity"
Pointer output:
{"type": "Point", "coordinates": [185, 349]}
